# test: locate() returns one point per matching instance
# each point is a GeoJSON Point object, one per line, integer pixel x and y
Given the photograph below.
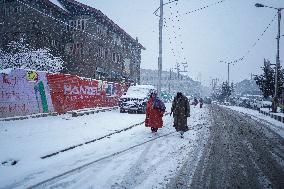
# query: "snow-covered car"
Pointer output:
{"type": "Point", "coordinates": [266, 104]}
{"type": "Point", "coordinates": [262, 104]}
{"type": "Point", "coordinates": [226, 103]}
{"type": "Point", "coordinates": [136, 98]}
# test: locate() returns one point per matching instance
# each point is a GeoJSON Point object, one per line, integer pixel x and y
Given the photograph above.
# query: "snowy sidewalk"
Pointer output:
{"type": "Point", "coordinates": [74, 113]}
{"type": "Point", "coordinates": [276, 116]}
{"type": "Point", "coordinates": [25, 141]}
{"type": "Point", "coordinates": [274, 124]}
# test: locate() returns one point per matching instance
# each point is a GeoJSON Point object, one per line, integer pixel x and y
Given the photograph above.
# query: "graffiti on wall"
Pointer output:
{"type": "Point", "coordinates": [71, 92]}
{"type": "Point", "coordinates": [18, 95]}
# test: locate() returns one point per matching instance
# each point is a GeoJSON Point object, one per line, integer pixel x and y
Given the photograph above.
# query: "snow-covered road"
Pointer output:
{"type": "Point", "coordinates": [150, 164]}
{"type": "Point", "coordinates": [241, 153]}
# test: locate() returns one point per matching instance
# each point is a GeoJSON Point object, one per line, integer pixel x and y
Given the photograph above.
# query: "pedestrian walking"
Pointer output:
{"type": "Point", "coordinates": [180, 110]}
{"type": "Point", "coordinates": [195, 101]}
{"type": "Point", "coordinates": [200, 102]}
{"type": "Point", "coordinates": [154, 112]}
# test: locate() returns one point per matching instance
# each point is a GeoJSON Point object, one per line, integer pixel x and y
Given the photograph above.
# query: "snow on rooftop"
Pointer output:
{"type": "Point", "coordinates": [6, 71]}
{"type": "Point", "coordinates": [143, 86]}
{"type": "Point", "coordinates": [57, 3]}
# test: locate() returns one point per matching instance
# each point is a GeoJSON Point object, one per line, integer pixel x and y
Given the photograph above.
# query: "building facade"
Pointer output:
{"type": "Point", "coordinates": [90, 43]}
{"type": "Point", "coordinates": [171, 82]}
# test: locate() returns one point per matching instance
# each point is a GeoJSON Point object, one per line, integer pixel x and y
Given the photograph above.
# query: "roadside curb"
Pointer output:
{"type": "Point", "coordinates": [82, 112]}
{"type": "Point", "coordinates": [74, 113]}
{"type": "Point", "coordinates": [276, 117]}
{"type": "Point", "coordinates": [29, 116]}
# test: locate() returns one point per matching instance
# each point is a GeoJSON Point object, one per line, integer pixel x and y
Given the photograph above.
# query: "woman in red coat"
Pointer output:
{"type": "Point", "coordinates": [154, 113]}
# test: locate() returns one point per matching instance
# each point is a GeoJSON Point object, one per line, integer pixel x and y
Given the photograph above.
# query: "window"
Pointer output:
{"type": "Point", "coordinates": [99, 30]}
{"type": "Point", "coordinates": [82, 49]}
{"type": "Point", "coordinates": [76, 25]}
{"type": "Point", "coordinates": [77, 49]}
{"type": "Point", "coordinates": [106, 53]}
{"type": "Point", "coordinates": [116, 57]}
{"type": "Point", "coordinates": [72, 25]}
{"type": "Point", "coordinates": [101, 52]}
{"type": "Point", "coordinates": [83, 24]}
{"type": "Point", "coordinates": [53, 42]}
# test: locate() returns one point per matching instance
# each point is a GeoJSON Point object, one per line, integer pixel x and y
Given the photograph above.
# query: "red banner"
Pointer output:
{"type": "Point", "coordinates": [70, 92]}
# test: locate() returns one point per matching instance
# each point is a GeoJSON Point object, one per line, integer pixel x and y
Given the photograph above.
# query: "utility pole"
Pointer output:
{"type": "Point", "coordinates": [275, 99]}
{"type": "Point", "coordinates": [252, 76]}
{"type": "Point", "coordinates": [170, 81]}
{"type": "Point", "coordinates": [228, 73]}
{"type": "Point", "coordinates": [160, 43]}
{"type": "Point", "coordinates": [179, 70]}
{"type": "Point", "coordinates": [277, 59]}
{"type": "Point", "coordinates": [160, 48]}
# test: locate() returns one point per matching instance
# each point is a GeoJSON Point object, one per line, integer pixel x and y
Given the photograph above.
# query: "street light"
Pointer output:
{"type": "Point", "coordinates": [274, 109]}
{"type": "Point", "coordinates": [228, 69]}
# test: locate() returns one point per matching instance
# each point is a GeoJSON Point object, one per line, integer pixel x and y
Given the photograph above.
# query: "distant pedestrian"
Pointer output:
{"type": "Point", "coordinates": [180, 110]}
{"type": "Point", "coordinates": [195, 101]}
{"type": "Point", "coordinates": [154, 112]}
{"type": "Point", "coordinates": [200, 102]}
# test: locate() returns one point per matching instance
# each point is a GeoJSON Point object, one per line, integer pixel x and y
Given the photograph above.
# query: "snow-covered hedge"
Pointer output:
{"type": "Point", "coordinates": [19, 54]}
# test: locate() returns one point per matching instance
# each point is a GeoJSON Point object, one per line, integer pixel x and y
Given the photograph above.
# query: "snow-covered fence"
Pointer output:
{"type": "Point", "coordinates": [23, 92]}
{"type": "Point", "coordinates": [276, 116]}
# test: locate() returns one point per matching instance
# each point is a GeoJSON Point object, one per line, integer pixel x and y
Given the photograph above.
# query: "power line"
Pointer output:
{"type": "Point", "coordinates": [255, 43]}
{"type": "Point", "coordinates": [205, 7]}
{"type": "Point", "coordinates": [174, 35]}
{"type": "Point", "coordinates": [202, 8]}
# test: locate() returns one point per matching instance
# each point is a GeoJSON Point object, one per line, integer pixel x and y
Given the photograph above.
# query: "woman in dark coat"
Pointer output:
{"type": "Point", "coordinates": [154, 113]}
{"type": "Point", "coordinates": [181, 110]}
{"type": "Point", "coordinates": [200, 102]}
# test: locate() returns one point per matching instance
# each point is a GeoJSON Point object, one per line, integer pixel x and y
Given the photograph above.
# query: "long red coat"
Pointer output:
{"type": "Point", "coordinates": [153, 116]}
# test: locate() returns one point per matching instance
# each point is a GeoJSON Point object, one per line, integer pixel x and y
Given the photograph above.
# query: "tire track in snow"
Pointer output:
{"type": "Point", "coordinates": [53, 180]}
{"type": "Point", "coordinates": [93, 140]}
{"type": "Point", "coordinates": [49, 181]}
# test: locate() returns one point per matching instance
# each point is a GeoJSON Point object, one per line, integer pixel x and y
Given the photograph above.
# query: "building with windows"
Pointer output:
{"type": "Point", "coordinates": [171, 82]}
{"type": "Point", "coordinates": [90, 43]}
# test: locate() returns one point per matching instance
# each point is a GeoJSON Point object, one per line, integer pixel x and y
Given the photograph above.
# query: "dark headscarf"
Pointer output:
{"type": "Point", "coordinates": [179, 94]}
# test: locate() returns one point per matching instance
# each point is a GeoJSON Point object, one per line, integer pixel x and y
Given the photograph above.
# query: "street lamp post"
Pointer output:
{"type": "Point", "coordinates": [274, 108]}
{"type": "Point", "coordinates": [160, 43]}
{"type": "Point", "coordinates": [228, 70]}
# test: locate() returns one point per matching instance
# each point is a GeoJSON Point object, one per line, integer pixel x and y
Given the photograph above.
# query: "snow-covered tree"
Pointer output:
{"type": "Point", "coordinates": [19, 54]}
{"type": "Point", "coordinates": [266, 81]}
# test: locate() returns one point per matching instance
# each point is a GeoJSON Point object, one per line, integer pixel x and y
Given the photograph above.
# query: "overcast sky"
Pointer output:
{"type": "Point", "coordinates": [223, 32]}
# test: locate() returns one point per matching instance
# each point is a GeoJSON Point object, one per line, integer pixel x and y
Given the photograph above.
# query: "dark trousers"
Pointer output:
{"type": "Point", "coordinates": [154, 129]}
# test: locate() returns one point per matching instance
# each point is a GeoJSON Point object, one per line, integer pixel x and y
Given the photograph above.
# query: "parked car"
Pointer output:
{"type": "Point", "coordinates": [207, 100]}
{"type": "Point", "coordinates": [135, 99]}
{"type": "Point", "coordinates": [245, 102]}
{"type": "Point", "coordinates": [266, 104]}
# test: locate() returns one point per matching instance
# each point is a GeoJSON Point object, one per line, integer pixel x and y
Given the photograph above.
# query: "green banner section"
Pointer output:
{"type": "Point", "coordinates": [43, 97]}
